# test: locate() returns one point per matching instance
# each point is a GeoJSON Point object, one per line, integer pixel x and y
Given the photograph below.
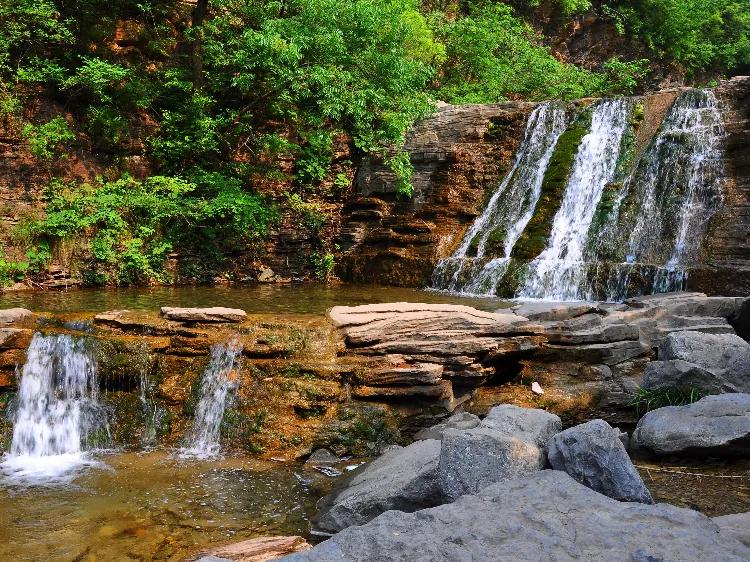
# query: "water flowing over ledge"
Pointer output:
{"type": "Point", "coordinates": [628, 223]}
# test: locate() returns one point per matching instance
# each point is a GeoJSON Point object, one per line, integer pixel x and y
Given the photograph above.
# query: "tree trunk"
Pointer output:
{"type": "Point", "coordinates": [199, 14]}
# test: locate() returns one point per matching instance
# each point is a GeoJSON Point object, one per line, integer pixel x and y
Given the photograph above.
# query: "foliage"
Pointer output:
{"type": "Point", "coordinates": [647, 400]}
{"type": "Point", "coordinates": [47, 139]}
{"type": "Point", "coordinates": [134, 225]}
{"type": "Point", "coordinates": [699, 34]}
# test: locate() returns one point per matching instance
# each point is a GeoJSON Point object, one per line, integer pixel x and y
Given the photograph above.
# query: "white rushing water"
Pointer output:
{"type": "Point", "coordinates": [57, 416]}
{"type": "Point", "coordinates": [510, 209]}
{"type": "Point", "coordinates": [219, 382]}
{"type": "Point", "coordinates": [560, 269]}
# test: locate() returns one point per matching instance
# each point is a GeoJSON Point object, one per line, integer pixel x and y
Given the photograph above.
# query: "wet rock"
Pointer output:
{"type": "Point", "coordinates": [714, 425]}
{"type": "Point", "coordinates": [321, 457]}
{"type": "Point", "coordinates": [214, 314]}
{"type": "Point", "coordinates": [735, 526]}
{"type": "Point", "coordinates": [404, 478]}
{"type": "Point", "coordinates": [474, 458]}
{"type": "Point", "coordinates": [544, 516]}
{"type": "Point", "coordinates": [461, 420]}
{"type": "Point", "coordinates": [527, 424]}
{"type": "Point", "coordinates": [10, 316]}
{"type": "Point", "coordinates": [260, 549]}
{"type": "Point", "coordinates": [593, 454]}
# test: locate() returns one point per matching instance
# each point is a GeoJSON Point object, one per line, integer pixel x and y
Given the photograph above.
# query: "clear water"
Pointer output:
{"type": "Point", "coordinates": [154, 506]}
{"type": "Point", "coordinates": [58, 417]}
{"type": "Point", "coordinates": [219, 381]}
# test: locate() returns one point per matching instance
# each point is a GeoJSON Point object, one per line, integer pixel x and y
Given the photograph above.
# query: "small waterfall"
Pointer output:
{"type": "Point", "coordinates": [481, 259]}
{"type": "Point", "coordinates": [560, 270]}
{"type": "Point", "coordinates": [220, 380]}
{"type": "Point", "coordinates": [58, 416]}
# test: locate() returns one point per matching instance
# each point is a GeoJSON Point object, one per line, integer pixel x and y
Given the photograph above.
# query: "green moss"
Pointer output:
{"type": "Point", "coordinates": [495, 245]}
{"type": "Point", "coordinates": [534, 238]}
{"type": "Point", "coordinates": [514, 275]}
{"type": "Point", "coordinates": [241, 427]}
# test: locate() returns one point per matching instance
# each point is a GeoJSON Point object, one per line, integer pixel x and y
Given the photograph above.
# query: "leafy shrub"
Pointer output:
{"type": "Point", "coordinates": [47, 139]}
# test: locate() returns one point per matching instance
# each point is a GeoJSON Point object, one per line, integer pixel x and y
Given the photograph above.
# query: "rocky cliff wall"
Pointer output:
{"type": "Point", "coordinates": [459, 156]}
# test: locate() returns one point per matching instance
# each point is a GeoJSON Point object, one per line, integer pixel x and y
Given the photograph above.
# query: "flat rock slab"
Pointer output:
{"type": "Point", "coordinates": [214, 314]}
{"type": "Point", "coordinates": [12, 316]}
{"type": "Point", "coordinates": [593, 454]}
{"type": "Point", "coordinates": [261, 549]}
{"type": "Point", "coordinates": [550, 311]}
{"type": "Point", "coordinates": [714, 425]}
{"type": "Point", "coordinates": [545, 516]}
{"type": "Point", "coordinates": [404, 478]}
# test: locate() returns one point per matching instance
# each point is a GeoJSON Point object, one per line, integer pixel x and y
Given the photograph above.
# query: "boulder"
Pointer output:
{"type": "Point", "coordinates": [474, 458]}
{"type": "Point", "coordinates": [214, 314]}
{"type": "Point", "coordinates": [527, 424]}
{"type": "Point", "coordinates": [404, 478]}
{"type": "Point", "coordinates": [545, 516]}
{"type": "Point", "coordinates": [321, 457]}
{"type": "Point", "coordinates": [714, 425]}
{"type": "Point", "coordinates": [261, 549]}
{"type": "Point", "coordinates": [682, 375]}
{"type": "Point", "coordinates": [593, 454]}
{"type": "Point", "coordinates": [726, 354]}
{"type": "Point", "coordinates": [9, 316]}
{"type": "Point", "coordinates": [460, 420]}
{"type": "Point", "coordinates": [735, 526]}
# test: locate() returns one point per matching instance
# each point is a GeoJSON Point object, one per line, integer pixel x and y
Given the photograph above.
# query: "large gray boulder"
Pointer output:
{"type": "Point", "coordinates": [683, 375]}
{"type": "Point", "coordinates": [546, 516]}
{"type": "Point", "coordinates": [528, 424]}
{"type": "Point", "coordinates": [594, 455]}
{"type": "Point", "coordinates": [404, 478]}
{"type": "Point", "coordinates": [11, 316]}
{"type": "Point", "coordinates": [714, 425]}
{"type": "Point", "coordinates": [735, 526]}
{"type": "Point", "coordinates": [721, 353]}
{"type": "Point", "coordinates": [459, 420]}
{"type": "Point", "coordinates": [474, 458]}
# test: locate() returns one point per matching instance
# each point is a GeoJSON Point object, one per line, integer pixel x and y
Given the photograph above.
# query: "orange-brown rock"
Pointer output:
{"type": "Point", "coordinates": [261, 549]}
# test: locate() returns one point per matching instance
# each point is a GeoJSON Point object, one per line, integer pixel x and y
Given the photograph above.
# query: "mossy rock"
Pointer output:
{"type": "Point", "coordinates": [495, 245]}
{"type": "Point", "coordinates": [537, 232]}
{"type": "Point", "coordinates": [360, 430]}
{"type": "Point", "coordinates": [508, 286]}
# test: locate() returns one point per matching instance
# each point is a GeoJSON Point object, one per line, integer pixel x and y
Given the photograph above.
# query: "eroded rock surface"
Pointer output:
{"type": "Point", "coordinates": [593, 454]}
{"type": "Point", "coordinates": [714, 425]}
{"type": "Point", "coordinates": [214, 314]}
{"type": "Point", "coordinates": [544, 516]}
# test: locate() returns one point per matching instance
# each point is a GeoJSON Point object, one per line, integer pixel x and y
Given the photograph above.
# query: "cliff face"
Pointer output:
{"type": "Point", "coordinates": [460, 154]}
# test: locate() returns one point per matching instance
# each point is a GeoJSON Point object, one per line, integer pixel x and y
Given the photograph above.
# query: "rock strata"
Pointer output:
{"type": "Point", "coordinates": [544, 516]}
{"type": "Point", "coordinates": [593, 454]}
{"type": "Point", "coordinates": [714, 425]}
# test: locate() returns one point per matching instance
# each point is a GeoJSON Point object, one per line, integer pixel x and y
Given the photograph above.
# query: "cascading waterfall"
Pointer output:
{"type": "Point", "coordinates": [219, 382]}
{"type": "Point", "coordinates": [508, 211]}
{"type": "Point", "coordinates": [58, 416]}
{"type": "Point", "coordinates": [679, 182]}
{"type": "Point", "coordinates": [558, 272]}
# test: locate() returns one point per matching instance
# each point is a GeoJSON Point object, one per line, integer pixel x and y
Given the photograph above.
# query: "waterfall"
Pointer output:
{"type": "Point", "coordinates": [498, 228]}
{"type": "Point", "coordinates": [58, 416]}
{"type": "Point", "coordinates": [220, 379]}
{"type": "Point", "coordinates": [679, 184]}
{"type": "Point", "coordinates": [557, 273]}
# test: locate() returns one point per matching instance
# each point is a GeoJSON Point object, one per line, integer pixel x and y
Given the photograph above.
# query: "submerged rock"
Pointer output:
{"type": "Point", "coordinates": [474, 458]}
{"type": "Point", "coordinates": [714, 425]}
{"type": "Point", "coordinates": [545, 516]}
{"type": "Point", "coordinates": [261, 549]}
{"type": "Point", "coordinates": [404, 478]}
{"type": "Point", "coordinates": [214, 314]}
{"type": "Point", "coordinates": [594, 455]}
